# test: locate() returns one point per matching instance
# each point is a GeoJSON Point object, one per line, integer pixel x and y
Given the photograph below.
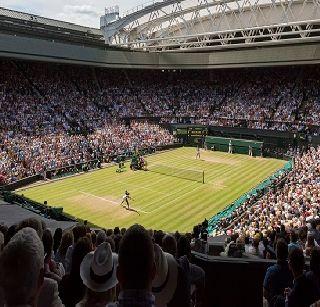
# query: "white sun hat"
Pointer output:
{"type": "Point", "coordinates": [165, 282]}
{"type": "Point", "coordinates": [98, 269]}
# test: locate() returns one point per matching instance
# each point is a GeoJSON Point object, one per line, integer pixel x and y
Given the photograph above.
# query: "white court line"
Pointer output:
{"type": "Point", "coordinates": [110, 201]}
{"type": "Point", "coordinates": [174, 199]}
{"type": "Point", "coordinates": [138, 186]}
{"type": "Point", "coordinates": [102, 198]}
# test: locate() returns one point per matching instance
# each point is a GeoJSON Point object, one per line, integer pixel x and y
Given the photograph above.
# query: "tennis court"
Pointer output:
{"type": "Point", "coordinates": [161, 200]}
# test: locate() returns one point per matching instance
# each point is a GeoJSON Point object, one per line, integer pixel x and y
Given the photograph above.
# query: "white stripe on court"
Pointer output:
{"type": "Point", "coordinates": [174, 199]}
{"type": "Point", "coordinates": [102, 198]}
{"type": "Point", "coordinates": [110, 201]}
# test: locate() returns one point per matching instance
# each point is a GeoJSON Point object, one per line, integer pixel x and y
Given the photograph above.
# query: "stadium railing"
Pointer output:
{"type": "Point", "coordinates": [214, 221]}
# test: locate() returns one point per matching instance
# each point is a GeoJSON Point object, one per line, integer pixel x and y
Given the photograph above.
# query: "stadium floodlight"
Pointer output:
{"type": "Point", "coordinates": [111, 14]}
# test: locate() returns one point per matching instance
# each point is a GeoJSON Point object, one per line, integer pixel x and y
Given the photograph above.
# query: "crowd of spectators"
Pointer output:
{"type": "Point", "coordinates": [291, 203]}
{"type": "Point", "coordinates": [82, 267]}
{"type": "Point", "coordinates": [55, 115]}
{"type": "Point", "coordinates": [25, 156]}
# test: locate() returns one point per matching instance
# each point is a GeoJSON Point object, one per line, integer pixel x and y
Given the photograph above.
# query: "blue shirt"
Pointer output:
{"type": "Point", "coordinates": [277, 278]}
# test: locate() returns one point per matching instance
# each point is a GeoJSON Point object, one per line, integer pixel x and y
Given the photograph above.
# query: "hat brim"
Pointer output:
{"type": "Point", "coordinates": [166, 294]}
{"type": "Point", "coordinates": [92, 285]}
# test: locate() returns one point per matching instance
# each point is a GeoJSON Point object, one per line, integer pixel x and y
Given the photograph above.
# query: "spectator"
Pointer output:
{"type": "Point", "coordinates": [314, 274]}
{"type": "Point", "coordinates": [66, 241]}
{"type": "Point", "coordinates": [170, 285]}
{"type": "Point", "coordinates": [48, 296]}
{"type": "Point", "coordinates": [278, 277]}
{"type": "Point", "coordinates": [169, 245]}
{"type": "Point", "coordinates": [303, 292]}
{"type": "Point", "coordinates": [57, 239]}
{"type": "Point", "coordinates": [111, 242]}
{"type": "Point", "coordinates": [310, 245]}
{"type": "Point", "coordinates": [293, 242]}
{"type": "Point", "coordinates": [32, 223]}
{"type": "Point", "coordinates": [101, 237]}
{"type": "Point", "coordinates": [51, 268]}
{"type": "Point", "coordinates": [136, 269]}
{"type": "Point", "coordinates": [78, 232]}
{"type": "Point", "coordinates": [71, 288]}
{"type": "Point", "coordinates": [21, 269]}
{"type": "Point", "coordinates": [98, 273]}
{"type": "Point", "coordinates": [195, 274]}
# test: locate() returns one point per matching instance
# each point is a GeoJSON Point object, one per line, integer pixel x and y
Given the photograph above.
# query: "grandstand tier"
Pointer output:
{"type": "Point", "coordinates": [73, 106]}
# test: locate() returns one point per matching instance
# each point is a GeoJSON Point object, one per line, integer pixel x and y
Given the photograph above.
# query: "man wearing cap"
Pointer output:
{"type": "Point", "coordinates": [136, 269]}
{"type": "Point", "coordinates": [98, 273]}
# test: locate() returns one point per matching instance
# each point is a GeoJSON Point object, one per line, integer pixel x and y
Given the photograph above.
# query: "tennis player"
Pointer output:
{"type": "Point", "coordinates": [125, 198]}
{"type": "Point", "coordinates": [198, 152]}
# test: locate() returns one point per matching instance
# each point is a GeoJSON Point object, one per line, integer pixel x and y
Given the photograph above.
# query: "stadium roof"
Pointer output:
{"type": "Point", "coordinates": [201, 25]}
{"type": "Point", "coordinates": [14, 22]}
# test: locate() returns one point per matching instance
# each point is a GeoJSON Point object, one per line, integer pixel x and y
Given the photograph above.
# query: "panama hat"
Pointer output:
{"type": "Point", "coordinates": [98, 269]}
{"type": "Point", "coordinates": [165, 282]}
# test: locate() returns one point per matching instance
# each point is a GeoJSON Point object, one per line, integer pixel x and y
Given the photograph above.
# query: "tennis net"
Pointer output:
{"type": "Point", "coordinates": [189, 174]}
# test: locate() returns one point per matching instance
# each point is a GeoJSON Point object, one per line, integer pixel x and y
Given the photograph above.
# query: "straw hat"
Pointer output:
{"type": "Point", "coordinates": [165, 282]}
{"type": "Point", "coordinates": [98, 269]}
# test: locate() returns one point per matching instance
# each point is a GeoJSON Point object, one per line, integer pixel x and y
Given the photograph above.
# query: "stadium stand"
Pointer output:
{"type": "Point", "coordinates": [49, 98]}
{"type": "Point", "coordinates": [56, 118]}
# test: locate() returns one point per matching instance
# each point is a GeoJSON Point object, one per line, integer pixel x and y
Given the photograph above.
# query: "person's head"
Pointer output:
{"type": "Point", "coordinates": [158, 235]}
{"type": "Point", "coordinates": [117, 240]}
{"type": "Point", "coordinates": [184, 247]}
{"type": "Point", "coordinates": [98, 273]}
{"type": "Point", "coordinates": [136, 268]}
{"type": "Point", "coordinates": [32, 223]}
{"type": "Point", "coordinates": [112, 244]}
{"type": "Point", "coordinates": [123, 231]}
{"type": "Point", "coordinates": [293, 237]}
{"type": "Point", "coordinates": [315, 260]}
{"type": "Point", "coordinates": [296, 262]}
{"type": "Point", "coordinates": [21, 268]}
{"type": "Point", "coordinates": [79, 232]}
{"type": "Point", "coordinates": [109, 232]}
{"type": "Point", "coordinates": [47, 241]}
{"type": "Point", "coordinates": [66, 241]}
{"type": "Point", "coordinates": [282, 250]}
{"type": "Point", "coordinates": [81, 248]}
{"type": "Point", "coordinates": [116, 231]}
{"type": "Point", "coordinates": [169, 245]}
{"type": "Point", "coordinates": [101, 237]}
{"type": "Point", "coordinates": [57, 239]}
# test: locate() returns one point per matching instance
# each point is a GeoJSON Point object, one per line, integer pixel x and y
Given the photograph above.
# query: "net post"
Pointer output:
{"type": "Point", "coordinates": [203, 177]}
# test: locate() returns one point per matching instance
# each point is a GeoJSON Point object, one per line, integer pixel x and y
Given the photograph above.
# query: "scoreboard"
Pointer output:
{"type": "Point", "coordinates": [197, 131]}
{"type": "Point", "coordinates": [194, 135]}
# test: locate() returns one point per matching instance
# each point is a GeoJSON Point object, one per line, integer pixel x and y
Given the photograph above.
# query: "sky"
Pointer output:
{"type": "Point", "coordinates": [82, 12]}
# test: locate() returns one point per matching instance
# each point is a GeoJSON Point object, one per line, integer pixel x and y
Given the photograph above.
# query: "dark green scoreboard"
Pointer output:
{"type": "Point", "coordinates": [197, 131]}
{"type": "Point", "coordinates": [191, 134]}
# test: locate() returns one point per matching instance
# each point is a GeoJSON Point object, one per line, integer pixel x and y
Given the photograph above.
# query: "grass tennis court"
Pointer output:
{"type": "Point", "coordinates": [160, 201]}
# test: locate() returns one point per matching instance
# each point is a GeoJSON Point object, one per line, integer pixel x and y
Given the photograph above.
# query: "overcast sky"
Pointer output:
{"type": "Point", "coordinates": [82, 12]}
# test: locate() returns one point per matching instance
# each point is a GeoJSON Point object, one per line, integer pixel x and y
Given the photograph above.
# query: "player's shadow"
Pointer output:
{"type": "Point", "coordinates": [133, 210]}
